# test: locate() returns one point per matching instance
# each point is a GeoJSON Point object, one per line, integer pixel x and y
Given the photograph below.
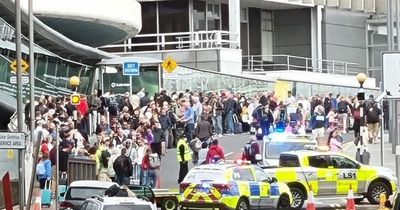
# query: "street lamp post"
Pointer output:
{"type": "Point", "coordinates": [361, 77]}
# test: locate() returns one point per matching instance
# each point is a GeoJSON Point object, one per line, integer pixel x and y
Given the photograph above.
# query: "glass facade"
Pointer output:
{"type": "Point", "coordinates": [195, 79]}
{"type": "Point", "coordinates": [51, 78]}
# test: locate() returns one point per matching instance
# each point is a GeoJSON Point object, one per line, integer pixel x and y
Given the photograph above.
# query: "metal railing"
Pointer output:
{"type": "Point", "coordinates": [7, 33]}
{"type": "Point", "coordinates": [254, 63]}
{"type": "Point", "coordinates": [178, 41]}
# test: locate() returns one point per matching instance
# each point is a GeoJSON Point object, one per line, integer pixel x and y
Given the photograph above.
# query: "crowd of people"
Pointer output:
{"type": "Point", "coordinates": [127, 135]}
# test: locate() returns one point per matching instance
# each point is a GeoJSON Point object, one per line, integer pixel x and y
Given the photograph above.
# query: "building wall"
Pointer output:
{"type": "Point", "coordinates": [343, 36]}
{"type": "Point", "coordinates": [292, 32]}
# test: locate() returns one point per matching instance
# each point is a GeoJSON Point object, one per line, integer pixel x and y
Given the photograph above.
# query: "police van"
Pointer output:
{"type": "Point", "coordinates": [276, 143]}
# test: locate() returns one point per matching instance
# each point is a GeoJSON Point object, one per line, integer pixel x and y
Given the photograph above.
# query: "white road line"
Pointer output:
{"type": "Point", "coordinates": [228, 154]}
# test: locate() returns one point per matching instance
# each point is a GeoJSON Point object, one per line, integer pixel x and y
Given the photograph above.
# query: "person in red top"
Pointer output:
{"type": "Point", "coordinates": [215, 153]}
{"type": "Point", "coordinates": [83, 106]}
{"type": "Point", "coordinates": [43, 147]}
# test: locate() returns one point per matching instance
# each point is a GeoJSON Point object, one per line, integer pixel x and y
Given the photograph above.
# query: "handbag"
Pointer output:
{"type": "Point", "coordinates": [357, 140]}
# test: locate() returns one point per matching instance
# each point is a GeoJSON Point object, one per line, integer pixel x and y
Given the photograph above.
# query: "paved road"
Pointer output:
{"type": "Point", "coordinates": [232, 146]}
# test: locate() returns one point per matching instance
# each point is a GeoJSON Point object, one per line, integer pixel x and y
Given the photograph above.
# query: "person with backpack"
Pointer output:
{"type": "Point", "coordinates": [373, 115]}
{"type": "Point", "coordinates": [112, 103]}
{"type": "Point", "coordinates": [123, 168]}
{"type": "Point", "coordinates": [251, 149]}
{"type": "Point", "coordinates": [43, 170]}
{"type": "Point", "coordinates": [153, 162]}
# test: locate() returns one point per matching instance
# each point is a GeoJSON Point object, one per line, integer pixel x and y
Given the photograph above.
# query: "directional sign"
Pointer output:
{"type": "Point", "coordinates": [131, 69]}
{"type": "Point", "coordinates": [25, 80]}
{"type": "Point", "coordinates": [169, 65]}
{"type": "Point", "coordinates": [12, 140]}
{"type": "Point", "coordinates": [24, 65]}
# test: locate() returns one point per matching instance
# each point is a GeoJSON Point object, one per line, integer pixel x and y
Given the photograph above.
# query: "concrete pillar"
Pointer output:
{"type": "Point", "coordinates": [369, 6]}
{"type": "Point", "coordinates": [357, 5]}
{"type": "Point", "coordinates": [320, 2]}
{"type": "Point", "coordinates": [346, 4]}
{"type": "Point", "coordinates": [234, 22]}
{"type": "Point", "coordinates": [316, 37]}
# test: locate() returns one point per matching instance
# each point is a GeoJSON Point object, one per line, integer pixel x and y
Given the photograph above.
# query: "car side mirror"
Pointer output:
{"type": "Point", "coordinates": [62, 194]}
{"type": "Point", "coordinates": [273, 180]}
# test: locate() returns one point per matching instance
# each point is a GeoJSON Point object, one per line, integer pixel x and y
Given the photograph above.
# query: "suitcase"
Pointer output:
{"type": "Point", "coordinates": [62, 185]}
{"type": "Point", "coordinates": [46, 194]}
{"type": "Point", "coordinates": [237, 125]}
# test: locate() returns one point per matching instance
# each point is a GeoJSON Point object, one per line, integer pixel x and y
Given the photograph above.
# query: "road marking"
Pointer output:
{"type": "Point", "coordinates": [228, 154]}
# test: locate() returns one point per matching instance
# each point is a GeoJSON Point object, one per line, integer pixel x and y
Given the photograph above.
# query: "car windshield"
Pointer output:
{"type": "Point", "coordinates": [274, 149]}
{"type": "Point", "coordinates": [127, 207]}
{"type": "Point", "coordinates": [82, 193]}
{"type": "Point", "coordinates": [204, 175]}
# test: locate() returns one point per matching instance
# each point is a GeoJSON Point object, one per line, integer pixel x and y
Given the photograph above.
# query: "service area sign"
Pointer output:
{"type": "Point", "coordinates": [391, 73]}
{"type": "Point", "coordinates": [131, 69]}
{"type": "Point", "coordinates": [12, 141]}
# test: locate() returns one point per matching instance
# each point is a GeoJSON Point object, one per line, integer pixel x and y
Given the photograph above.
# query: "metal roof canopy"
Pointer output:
{"type": "Point", "coordinates": [143, 61]}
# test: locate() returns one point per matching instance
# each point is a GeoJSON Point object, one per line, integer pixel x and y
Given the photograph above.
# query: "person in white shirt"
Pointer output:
{"type": "Point", "coordinates": [141, 151]}
{"type": "Point", "coordinates": [197, 108]}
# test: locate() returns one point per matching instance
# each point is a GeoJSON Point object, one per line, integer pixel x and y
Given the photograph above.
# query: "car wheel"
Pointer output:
{"type": "Point", "coordinates": [298, 198]}
{"type": "Point", "coordinates": [243, 204]}
{"type": "Point", "coordinates": [284, 202]}
{"type": "Point", "coordinates": [169, 204]}
{"type": "Point", "coordinates": [374, 191]}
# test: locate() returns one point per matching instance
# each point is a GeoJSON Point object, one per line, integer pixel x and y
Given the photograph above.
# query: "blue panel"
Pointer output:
{"type": "Point", "coordinates": [254, 189]}
{"type": "Point", "coordinates": [131, 69]}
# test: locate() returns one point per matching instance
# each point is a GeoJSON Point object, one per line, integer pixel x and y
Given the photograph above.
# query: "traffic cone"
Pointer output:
{"type": "Point", "coordinates": [382, 201]}
{"type": "Point", "coordinates": [311, 202]}
{"type": "Point", "coordinates": [350, 200]}
{"type": "Point", "coordinates": [37, 204]}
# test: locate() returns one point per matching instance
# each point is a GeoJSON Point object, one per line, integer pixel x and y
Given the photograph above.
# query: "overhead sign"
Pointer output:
{"type": "Point", "coordinates": [391, 73]}
{"type": "Point", "coordinates": [25, 80]}
{"type": "Point", "coordinates": [169, 65]}
{"type": "Point", "coordinates": [24, 65]}
{"type": "Point", "coordinates": [131, 69]}
{"type": "Point", "coordinates": [12, 140]}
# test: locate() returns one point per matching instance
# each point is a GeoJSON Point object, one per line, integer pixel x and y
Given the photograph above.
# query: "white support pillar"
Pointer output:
{"type": "Point", "coordinates": [316, 37]}
{"type": "Point", "coordinates": [234, 22]}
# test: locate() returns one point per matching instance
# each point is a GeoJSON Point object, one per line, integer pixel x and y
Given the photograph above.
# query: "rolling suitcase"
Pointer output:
{"type": "Point", "coordinates": [62, 184]}
{"type": "Point", "coordinates": [237, 126]}
{"type": "Point", "coordinates": [46, 194]}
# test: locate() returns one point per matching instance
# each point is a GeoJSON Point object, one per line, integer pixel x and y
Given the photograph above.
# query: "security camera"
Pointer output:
{"type": "Point", "coordinates": [382, 96]}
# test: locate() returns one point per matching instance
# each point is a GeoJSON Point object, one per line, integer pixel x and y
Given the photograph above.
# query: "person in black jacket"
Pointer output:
{"type": "Point", "coordinates": [123, 168]}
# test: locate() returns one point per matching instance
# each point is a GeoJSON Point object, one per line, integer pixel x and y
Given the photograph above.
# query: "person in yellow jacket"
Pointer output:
{"type": "Point", "coordinates": [183, 156]}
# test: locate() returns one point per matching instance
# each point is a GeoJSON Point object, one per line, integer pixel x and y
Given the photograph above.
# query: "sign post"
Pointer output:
{"type": "Point", "coordinates": [131, 69]}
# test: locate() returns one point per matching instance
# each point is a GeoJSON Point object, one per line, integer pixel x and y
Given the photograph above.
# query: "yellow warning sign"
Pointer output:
{"type": "Point", "coordinates": [24, 65]}
{"type": "Point", "coordinates": [169, 65]}
{"type": "Point", "coordinates": [10, 154]}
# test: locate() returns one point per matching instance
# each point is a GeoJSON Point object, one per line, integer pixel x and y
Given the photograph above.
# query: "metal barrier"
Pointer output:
{"type": "Point", "coordinates": [290, 62]}
{"type": "Point", "coordinates": [180, 40]}
{"type": "Point", "coordinates": [81, 169]}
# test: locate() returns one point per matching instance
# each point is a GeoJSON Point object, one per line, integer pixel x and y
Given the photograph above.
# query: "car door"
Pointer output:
{"type": "Point", "coordinates": [247, 185]}
{"type": "Point", "coordinates": [323, 175]}
{"type": "Point", "coordinates": [347, 175]}
{"type": "Point", "coordinates": [263, 180]}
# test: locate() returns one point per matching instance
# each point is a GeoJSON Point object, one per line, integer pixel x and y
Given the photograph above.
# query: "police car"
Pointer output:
{"type": "Point", "coordinates": [276, 143]}
{"type": "Point", "coordinates": [330, 175]}
{"type": "Point", "coordinates": [233, 186]}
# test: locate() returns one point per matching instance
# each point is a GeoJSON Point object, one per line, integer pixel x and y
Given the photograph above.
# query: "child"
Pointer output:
{"type": "Point", "coordinates": [203, 153]}
{"type": "Point", "coordinates": [334, 144]}
{"type": "Point", "coordinates": [332, 119]}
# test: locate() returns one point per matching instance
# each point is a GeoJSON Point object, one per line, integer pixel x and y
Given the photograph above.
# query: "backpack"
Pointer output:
{"type": "Point", "coordinates": [40, 168]}
{"type": "Point", "coordinates": [249, 150]}
{"type": "Point", "coordinates": [154, 161]}
{"type": "Point", "coordinates": [104, 157]}
{"type": "Point", "coordinates": [342, 107]}
{"type": "Point", "coordinates": [113, 102]}
{"type": "Point", "coordinates": [119, 165]}
{"type": "Point", "coordinates": [357, 115]}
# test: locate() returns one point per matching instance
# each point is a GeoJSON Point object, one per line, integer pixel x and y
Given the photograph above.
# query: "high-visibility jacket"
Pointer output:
{"type": "Point", "coordinates": [187, 154]}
